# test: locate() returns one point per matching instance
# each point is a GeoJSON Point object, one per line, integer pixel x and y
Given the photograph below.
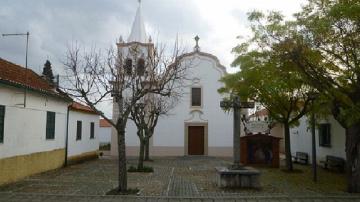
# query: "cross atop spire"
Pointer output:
{"type": "Point", "coordinates": [197, 47]}
{"type": "Point", "coordinates": [138, 32]}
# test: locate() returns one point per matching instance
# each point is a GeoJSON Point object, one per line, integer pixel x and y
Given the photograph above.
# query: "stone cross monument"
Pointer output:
{"type": "Point", "coordinates": [236, 105]}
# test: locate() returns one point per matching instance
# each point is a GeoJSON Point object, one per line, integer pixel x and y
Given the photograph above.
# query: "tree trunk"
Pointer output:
{"type": "Point", "coordinates": [147, 149]}
{"type": "Point", "coordinates": [122, 173]}
{"type": "Point", "coordinates": [141, 155]}
{"type": "Point", "coordinates": [353, 158]}
{"type": "Point", "coordinates": [289, 164]}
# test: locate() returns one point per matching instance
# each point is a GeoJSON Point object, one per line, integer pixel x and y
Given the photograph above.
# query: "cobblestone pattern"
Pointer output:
{"type": "Point", "coordinates": [6, 197]}
{"type": "Point", "coordinates": [186, 177]}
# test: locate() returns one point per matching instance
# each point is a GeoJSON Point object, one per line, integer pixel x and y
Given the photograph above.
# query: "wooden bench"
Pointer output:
{"type": "Point", "coordinates": [334, 162]}
{"type": "Point", "coordinates": [301, 158]}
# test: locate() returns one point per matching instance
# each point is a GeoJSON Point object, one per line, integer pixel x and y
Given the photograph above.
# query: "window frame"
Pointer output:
{"type": "Point", "coordinates": [200, 97]}
{"type": "Point", "coordinates": [2, 123]}
{"type": "Point", "coordinates": [92, 130]}
{"type": "Point", "coordinates": [78, 130]}
{"type": "Point", "coordinates": [140, 67]}
{"type": "Point", "coordinates": [50, 125]}
{"type": "Point", "coordinates": [321, 134]}
{"type": "Point", "coordinates": [128, 67]}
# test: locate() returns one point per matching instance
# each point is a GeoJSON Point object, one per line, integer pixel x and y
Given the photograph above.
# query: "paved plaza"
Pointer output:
{"type": "Point", "coordinates": [174, 179]}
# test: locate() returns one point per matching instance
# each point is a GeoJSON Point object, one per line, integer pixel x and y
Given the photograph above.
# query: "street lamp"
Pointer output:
{"type": "Point", "coordinates": [26, 58]}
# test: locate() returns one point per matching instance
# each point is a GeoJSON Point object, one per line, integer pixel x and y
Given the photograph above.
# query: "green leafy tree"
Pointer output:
{"type": "Point", "coordinates": [326, 50]}
{"type": "Point", "coordinates": [47, 72]}
{"type": "Point", "coordinates": [265, 78]}
{"type": "Point", "coordinates": [322, 44]}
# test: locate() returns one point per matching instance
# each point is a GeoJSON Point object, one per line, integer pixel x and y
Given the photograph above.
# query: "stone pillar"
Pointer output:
{"type": "Point", "coordinates": [236, 132]}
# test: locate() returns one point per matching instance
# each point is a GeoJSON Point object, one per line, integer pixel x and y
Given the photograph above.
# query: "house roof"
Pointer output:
{"type": "Point", "coordinates": [75, 106]}
{"type": "Point", "coordinates": [262, 112]}
{"type": "Point", "coordinates": [17, 76]}
{"type": "Point", "coordinates": [104, 123]}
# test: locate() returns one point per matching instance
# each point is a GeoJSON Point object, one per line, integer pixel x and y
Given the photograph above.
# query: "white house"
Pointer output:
{"type": "Point", "coordinates": [329, 137]}
{"type": "Point", "coordinates": [34, 125]}
{"type": "Point", "coordinates": [83, 138]}
{"type": "Point", "coordinates": [32, 136]}
{"type": "Point", "coordinates": [197, 125]}
{"type": "Point", "coordinates": [104, 132]}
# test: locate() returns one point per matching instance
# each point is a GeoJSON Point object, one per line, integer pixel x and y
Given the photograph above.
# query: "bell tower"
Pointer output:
{"type": "Point", "coordinates": [138, 50]}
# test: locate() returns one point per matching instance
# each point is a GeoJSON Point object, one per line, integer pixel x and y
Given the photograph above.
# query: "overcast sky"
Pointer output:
{"type": "Point", "coordinates": [55, 24]}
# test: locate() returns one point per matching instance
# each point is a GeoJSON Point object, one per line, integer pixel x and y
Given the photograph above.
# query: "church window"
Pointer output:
{"type": "Point", "coordinates": [141, 67]}
{"type": "Point", "coordinates": [324, 135]}
{"type": "Point", "coordinates": [196, 97]}
{"type": "Point", "coordinates": [128, 66]}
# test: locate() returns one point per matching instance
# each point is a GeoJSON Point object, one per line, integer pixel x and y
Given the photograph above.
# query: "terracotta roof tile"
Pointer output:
{"type": "Point", "coordinates": [262, 112]}
{"type": "Point", "coordinates": [14, 74]}
{"type": "Point", "coordinates": [80, 107]}
{"type": "Point", "coordinates": [104, 123]}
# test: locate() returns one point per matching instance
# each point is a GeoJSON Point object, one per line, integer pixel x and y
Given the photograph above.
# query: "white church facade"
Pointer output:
{"type": "Point", "coordinates": [196, 125]}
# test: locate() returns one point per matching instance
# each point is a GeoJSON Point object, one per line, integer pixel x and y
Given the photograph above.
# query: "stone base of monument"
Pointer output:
{"type": "Point", "coordinates": [246, 177]}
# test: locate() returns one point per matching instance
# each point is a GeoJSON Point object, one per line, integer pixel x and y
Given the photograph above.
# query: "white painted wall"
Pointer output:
{"type": "Point", "coordinates": [205, 72]}
{"type": "Point", "coordinates": [300, 138]}
{"type": "Point", "coordinates": [77, 147]}
{"type": "Point", "coordinates": [25, 128]}
{"type": "Point", "coordinates": [105, 135]}
{"type": "Point", "coordinates": [170, 129]}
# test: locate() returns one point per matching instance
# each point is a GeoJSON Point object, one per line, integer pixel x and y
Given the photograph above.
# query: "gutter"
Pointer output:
{"type": "Point", "coordinates": [67, 136]}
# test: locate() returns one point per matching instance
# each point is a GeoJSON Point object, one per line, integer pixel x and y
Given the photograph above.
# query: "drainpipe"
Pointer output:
{"type": "Point", "coordinates": [67, 136]}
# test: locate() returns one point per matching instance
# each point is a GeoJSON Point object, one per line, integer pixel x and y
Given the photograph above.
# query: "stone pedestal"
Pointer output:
{"type": "Point", "coordinates": [246, 177]}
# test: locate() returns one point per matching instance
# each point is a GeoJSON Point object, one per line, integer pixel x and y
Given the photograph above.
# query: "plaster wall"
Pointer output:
{"type": "Point", "coordinates": [25, 128]}
{"type": "Point", "coordinates": [169, 137]}
{"type": "Point", "coordinates": [85, 144]}
{"type": "Point", "coordinates": [300, 138]}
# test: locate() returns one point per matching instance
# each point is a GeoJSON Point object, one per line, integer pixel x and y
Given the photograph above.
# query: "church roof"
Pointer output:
{"type": "Point", "coordinates": [138, 32]}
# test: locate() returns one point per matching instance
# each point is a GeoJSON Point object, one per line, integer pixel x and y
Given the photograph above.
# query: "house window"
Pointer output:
{"type": "Point", "coordinates": [128, 66]}
{"type": "Point", "coordinates": [78, 130]}
{"type": "Point", "coordinates": [196, 97]}
{"type": "Point", "coordinates": [50, 125]}
{"type": "Point", "coordinates": [92, 130]}
{"type": "Point", "coordinates": [2, 123]}
{"type": "Point", "coordinates": [324, 135]}
{"type": "Point", "coordinates": [140, 67]}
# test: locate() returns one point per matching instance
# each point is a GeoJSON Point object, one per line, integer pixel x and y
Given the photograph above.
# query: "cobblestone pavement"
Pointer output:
{"type": "Point", "coordinates": [174, 179]}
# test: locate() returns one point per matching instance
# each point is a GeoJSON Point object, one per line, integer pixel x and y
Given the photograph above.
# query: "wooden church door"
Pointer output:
{"type": "Point", "coordinates": [196, 140]}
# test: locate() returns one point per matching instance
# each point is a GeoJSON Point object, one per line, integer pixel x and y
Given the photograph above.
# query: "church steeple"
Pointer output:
{"type": "Point", "coordinates": [138, 32]}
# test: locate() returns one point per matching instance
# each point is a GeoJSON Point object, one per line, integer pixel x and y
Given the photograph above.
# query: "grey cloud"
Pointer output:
{"type": "Point", "coordinates": [53, 25]}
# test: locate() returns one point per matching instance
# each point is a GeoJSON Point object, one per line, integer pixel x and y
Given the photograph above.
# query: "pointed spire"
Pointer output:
{"type": "Point", "coordinates": [138, 32]}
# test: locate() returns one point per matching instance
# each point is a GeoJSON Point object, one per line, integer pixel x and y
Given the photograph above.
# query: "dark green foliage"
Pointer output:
{"type": "Point", "coordinates": [47, 72]}
{"type": "Point", "coordinates": [145, 169]}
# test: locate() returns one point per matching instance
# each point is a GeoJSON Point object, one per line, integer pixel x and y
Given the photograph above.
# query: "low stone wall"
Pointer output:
{"type": "Point", "coordinates": [18, 167]}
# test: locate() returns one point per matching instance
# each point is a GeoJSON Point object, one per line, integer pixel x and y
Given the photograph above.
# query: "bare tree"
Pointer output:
{"type": "Point", "coordinates": [94, 78]}
{"type": "Point", "coordinates": [146, 115]}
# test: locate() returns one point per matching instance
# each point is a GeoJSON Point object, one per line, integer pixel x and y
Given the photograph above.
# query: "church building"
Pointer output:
{"type": "Point", "coordinates": [196, 125]}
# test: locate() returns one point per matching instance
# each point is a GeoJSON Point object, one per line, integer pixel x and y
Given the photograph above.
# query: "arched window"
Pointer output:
{"type": "Point", "coordinates": [140, 67]}
{"type": "Point", "coordinates": [128, 66]}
